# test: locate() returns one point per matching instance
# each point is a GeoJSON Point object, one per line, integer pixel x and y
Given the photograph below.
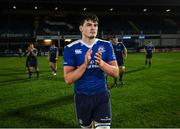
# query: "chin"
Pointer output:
{"type": "Point", "coordinates": [92, 37]}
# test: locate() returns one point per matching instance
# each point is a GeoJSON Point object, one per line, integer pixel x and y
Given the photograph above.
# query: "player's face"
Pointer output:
{"type": "Point", "coordinates": [89, 29]}
{"type": "Point", "coordinates": [115, 40]}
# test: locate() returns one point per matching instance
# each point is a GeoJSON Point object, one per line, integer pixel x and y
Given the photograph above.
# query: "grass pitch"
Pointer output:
{"type": "Point", "coordinates": [150, 98]}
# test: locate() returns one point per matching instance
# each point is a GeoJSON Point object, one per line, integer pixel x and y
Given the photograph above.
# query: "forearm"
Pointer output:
{"type": "Point", "coordinates": [74, 75]}
{"type": "Point", "coordinates": [48, 55]}
{"type": "Point", "coordinates": [124, 56]}
{"type": "Point", "coordinates": [111, 70]}
{"type": "Point", "coordinates": [34, 54]}
{"type": "Point", "coordinates": [57, 55]}
{"type": "Point", "coordinates": [28, 54]}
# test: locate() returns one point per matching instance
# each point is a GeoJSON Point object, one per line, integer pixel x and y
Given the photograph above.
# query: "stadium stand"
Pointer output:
{"type": "Point", "coordinates": [20, 26]}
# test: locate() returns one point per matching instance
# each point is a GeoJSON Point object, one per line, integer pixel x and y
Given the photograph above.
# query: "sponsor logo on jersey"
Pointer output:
{"type": "Point", "coordinates": [78, 51]}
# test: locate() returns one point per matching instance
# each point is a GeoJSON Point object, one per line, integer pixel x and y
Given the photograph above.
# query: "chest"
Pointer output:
{"type": "Point", "coordinates": [53, 50]}
{"type": "Point", "coordinates": [80, 53]}
{"type": "Point", "coordinates": [118, 48]}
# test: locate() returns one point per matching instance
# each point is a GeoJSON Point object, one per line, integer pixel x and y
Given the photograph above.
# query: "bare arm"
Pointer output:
{"type": "Point", "coordinates": [110, 68]}
{"type": "Point", "coordinates": [72, 74]}
{"type": "Point", "coordinates": [57, 55]}
{"type": "Point", "coordinates": [48, 55]}
{"type": "Point", "coordinates": [28, 53]}
{"type": "Point", "coordinates": [125, 54]}
{"type": "Point", "coordinates": [145, 51]}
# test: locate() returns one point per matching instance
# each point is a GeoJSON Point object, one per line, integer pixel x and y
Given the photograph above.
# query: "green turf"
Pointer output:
{"type": "Point", "coordinates": [149, 98]}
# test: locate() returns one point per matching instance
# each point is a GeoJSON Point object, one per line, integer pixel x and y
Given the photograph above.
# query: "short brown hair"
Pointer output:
{"type": "Point", "coordinates": [87, 17]}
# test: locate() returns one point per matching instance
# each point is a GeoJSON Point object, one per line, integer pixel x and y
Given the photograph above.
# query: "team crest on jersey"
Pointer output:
{"type": "Point", "coordinates": [102, 49]}
{"type": "Point", "coordinates": [78, 51]}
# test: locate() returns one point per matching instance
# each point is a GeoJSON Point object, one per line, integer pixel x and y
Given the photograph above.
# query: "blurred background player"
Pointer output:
{"type": "Point", "coordinates": [53, 57]}
{"type": "Point", "coordinates": [149, 49]}
{"type": "Point", "coordinates": [121, 55]}
{"type": "Point", "coordinates": [32, 60]}
{"type": "Point", "coordinates": [20, 52]}
{"type": "Point", "coordinates": [27, 59]}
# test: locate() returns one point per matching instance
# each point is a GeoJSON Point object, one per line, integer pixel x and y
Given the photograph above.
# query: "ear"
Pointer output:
{"type": "Point", "coordinates": [80, 28]}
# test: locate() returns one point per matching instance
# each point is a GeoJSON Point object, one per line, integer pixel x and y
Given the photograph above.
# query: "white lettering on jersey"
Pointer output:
{"type": "Point", "coordinates": [92, 64]}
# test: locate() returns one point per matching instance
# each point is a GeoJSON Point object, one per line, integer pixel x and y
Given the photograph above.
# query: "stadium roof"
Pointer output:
{"type": "Point", "coordinates": [120, 7]}
{"type": "Point", "coordinates": [102, 2]}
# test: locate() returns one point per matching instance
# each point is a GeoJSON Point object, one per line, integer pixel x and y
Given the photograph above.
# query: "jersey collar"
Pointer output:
{"type": "Point", "coordinates": [89, 46]}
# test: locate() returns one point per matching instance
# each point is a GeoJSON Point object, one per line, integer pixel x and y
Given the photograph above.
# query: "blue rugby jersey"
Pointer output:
{"type": "Point", "coordinates": [119, 49]}
{"type": "Point", "coordinates": [93, 80]}
{"type": "Point", "coordinates": [53, 52]}
{"type": "Point", "coordinates": [149, 49]}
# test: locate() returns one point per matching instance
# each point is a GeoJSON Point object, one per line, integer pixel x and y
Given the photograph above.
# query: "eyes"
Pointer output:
{"type": "Point", "coordinates": [91, 24]}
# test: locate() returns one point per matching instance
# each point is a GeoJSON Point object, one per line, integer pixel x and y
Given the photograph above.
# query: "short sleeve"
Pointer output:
{"type": "Point", "coordinates": [110, 54]}
{"type": "Point", "coordinates": [123, 46]}
{"type": "Point", "coordinates": [68, 57]}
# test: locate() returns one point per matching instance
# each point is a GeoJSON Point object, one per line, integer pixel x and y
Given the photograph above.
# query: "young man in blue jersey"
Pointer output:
{"type": "Point", "coordinates": [32, 60]}
{"type": "Point", "coordinates": [53, 57]}
{"type": "Point", "coordinates": [86, 61]}
{"type": "Point", "coordinates": [121, 55]}
{"type": "Point", "coordinates": [149, 50]}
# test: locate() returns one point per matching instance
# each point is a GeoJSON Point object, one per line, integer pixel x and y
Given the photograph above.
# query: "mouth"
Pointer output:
{"type": "Point", "coordinates": [92, 32]}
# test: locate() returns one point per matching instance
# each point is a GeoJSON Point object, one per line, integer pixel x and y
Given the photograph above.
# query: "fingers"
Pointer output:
{"type": "Point", "coordinates": [88, 56]}
{"type": "Point", "coordinates": [98, 57]}
{"type": "Point", "coordinates": [89, 52]}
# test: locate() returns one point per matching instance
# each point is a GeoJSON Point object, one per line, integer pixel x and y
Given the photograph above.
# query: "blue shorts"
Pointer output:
{"type": "Point", "coordinates": [53, 60]}
{"type": "Point", "coordinates": [93, 108]}
{"type": "Point", "coordinates": [149, 55]}
{"type": "Point", "coordinates": [32, 64]}
{"type": "Point", "coordinates": [120, 62]}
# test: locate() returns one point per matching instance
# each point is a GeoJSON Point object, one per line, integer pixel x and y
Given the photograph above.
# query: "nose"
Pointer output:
{"type": "Point", "coordinates": [93, 27]}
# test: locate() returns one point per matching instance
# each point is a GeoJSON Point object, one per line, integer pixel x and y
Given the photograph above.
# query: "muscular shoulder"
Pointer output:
{"type": "Point", "coordinates": [103, 41]}
{"type": "Point", "coordinates": [74, 43]}
{"type": "Point", "coordinates": [70, 48]}
{"type": "Point", "coordinates": [120, 44]}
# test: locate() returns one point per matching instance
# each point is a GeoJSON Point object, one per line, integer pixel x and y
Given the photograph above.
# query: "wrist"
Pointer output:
{"type": "Point", "coordinates": [84, 65]}
{"type": "Point", "coordinates": [101, 64]}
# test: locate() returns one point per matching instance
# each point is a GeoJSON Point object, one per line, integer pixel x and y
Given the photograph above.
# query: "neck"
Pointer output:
{"type": "Point", "coordinates": [88, 41]}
